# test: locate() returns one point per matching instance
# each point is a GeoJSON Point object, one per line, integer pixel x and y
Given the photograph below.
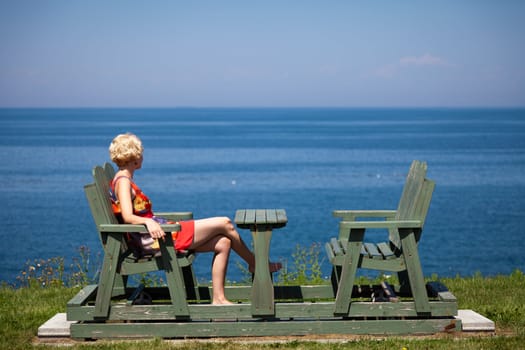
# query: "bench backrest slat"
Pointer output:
{"type": "Point", "coordinates": [97, 209]}
{"type": "Point", "coordinates": [415, 199]}
{"type": "Point", "coordinates": [110, 171]}
{"type": "Point", "coordinates": [99, 201]}
{"type": "Point", "coordinates": [102, 183]}
{"type": "Point", "coordinates": [411, 190]}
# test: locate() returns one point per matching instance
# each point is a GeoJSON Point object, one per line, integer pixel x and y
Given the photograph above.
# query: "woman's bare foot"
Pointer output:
{"type": "Point", "coordinates": [222, 302]}
{"type": "Point", "coordinates": [273, 266]}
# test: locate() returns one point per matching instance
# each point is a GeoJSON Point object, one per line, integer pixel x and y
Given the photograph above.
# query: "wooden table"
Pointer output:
{"type": "Point", "coordinates": [261, 222]}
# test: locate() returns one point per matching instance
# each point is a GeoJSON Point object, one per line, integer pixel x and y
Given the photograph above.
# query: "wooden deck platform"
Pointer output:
{"type": "Point", "coordinates": [58, 327]}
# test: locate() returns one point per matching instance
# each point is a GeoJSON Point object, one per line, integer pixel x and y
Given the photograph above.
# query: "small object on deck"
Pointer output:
{"type": "Point", "coordinates": [389, 292]}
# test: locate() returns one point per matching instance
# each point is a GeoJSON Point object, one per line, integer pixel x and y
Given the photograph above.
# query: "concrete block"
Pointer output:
{"type": "Point", "coordinates": [471, 321]}
{"type": "Point", "coordinates": [56, 326]}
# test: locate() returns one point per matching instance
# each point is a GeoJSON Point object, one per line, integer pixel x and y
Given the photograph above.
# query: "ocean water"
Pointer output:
{"type": "Point", "coordinates": [307, 161]}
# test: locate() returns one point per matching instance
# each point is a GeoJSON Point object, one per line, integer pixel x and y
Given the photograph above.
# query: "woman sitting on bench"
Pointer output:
{"type": "Point", "coordinates": [217, 234]}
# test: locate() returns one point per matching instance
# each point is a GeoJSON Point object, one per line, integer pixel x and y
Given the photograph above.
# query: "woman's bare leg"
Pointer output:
{"type": "Point", "coordinates": [206, 229]}
{"type": "Point", "coordinates": [218, 235]}
{"type": "Point", "coordinates": [220, 245]}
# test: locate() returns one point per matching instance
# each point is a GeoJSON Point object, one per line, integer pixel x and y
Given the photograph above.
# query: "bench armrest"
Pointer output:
{"type": "Point", "coordinates": [176, 216]}
{"type": "Point", "coordinates": [380, 224]}
{"type": "Point", "coordinates": [351, 215]}
{"type": "Point", "coordinates": [123, 228]}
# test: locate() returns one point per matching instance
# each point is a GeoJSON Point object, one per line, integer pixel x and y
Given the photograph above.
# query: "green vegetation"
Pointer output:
{"type": "Point", "coordinates": [44, 288]}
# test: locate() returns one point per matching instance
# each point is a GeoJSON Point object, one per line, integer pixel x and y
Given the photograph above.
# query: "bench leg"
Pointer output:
{"type": "Point", "coordinates": [107, 275]}
{"type": "Point", "coordinates": [414, 271]}
{"type": "Point", "coordinates": [262, 287]}
{"type": "Point", "coordinates": [174, 278]}
{"type": "Point", "coordinates": [190, 282]}
{"type": "Point", "coordinates": [119, 286]}
{"type": "Point", "coordinates": [349, 269]}
{"type": "Point", "coordinates": [335, 277]}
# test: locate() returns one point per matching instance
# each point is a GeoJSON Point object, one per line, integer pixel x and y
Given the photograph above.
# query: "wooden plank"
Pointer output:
{"type": "Point", "coordinates": [303, 292]}
{"type": "Point", "coordinates": [373, 251]}
{"type": "Point", "coordinates": [409, 196]}
{"type": "Point", "coordinates": [250, 217]}
{"type": "Point", "coordinates": [385, 250]}
{"type": "Point", "coordinates": [348, 274]}
{"type": "Point", "coordinates": [352, 215]}
{"type": "Point", "coordinates": [250, 329]}
{"type": "Point", "coordinates": [336, 247]}
{"type": "Point", "coordinates": [330, 252]}
{"type": "Point", "coordinates": [243, 311]}
{"type": "Point", "coordinates": [107, 275]}
{"type": "Point", "coordinates": [396, 224]}
{"type": "Point", "coordinates": [392, 265]}
{"type": "Point", "coordinates": [364, 252]}
{"type": "Point", "coordinates": [281, 216]}
{"type": "Point", "coordinates": [295, 292]}
{"type": "Point", "coordinates": [423, 203]}
{"type": "Point", "coordinates": [83, 295]}
{"type": "Point", "coordinates": [262, 287]}
{"type": "Point", "coordinates": [260, 216]}
{"type": "Point", "coordinates": [414, 271]}
{"type": "Point", "coordinates": [247, 218]}
{"type": "Point", "coordinates": [102, 185]}
{"type": "Point", "coordinates": [271, 216]}
{"type": "Point", "coordinates": [176, 216]}
{"type": "Point", "coordinates": [413, 184]}
{"type": "Point", "coordinates": [240, 216]}
{"type": "Point", "coordinates": [125, 228]}
{"type": "Point", "coordinates": [174, 277]}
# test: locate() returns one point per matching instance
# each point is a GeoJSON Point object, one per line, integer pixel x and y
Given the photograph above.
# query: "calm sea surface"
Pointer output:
{"type": "Point", "coordinates": [308, 161]}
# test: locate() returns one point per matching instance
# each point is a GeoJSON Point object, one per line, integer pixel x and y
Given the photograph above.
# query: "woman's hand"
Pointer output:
{"type": "Point", "coordinates": [154, 229]}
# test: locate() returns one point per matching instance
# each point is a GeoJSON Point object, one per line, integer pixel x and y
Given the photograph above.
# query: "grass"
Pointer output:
{"type": "Point", "coordinates": [23, 310]}
{"type": "Point", "coordinates": [500, 298]}
{"type": "Point", "coordinates": [40, 295]}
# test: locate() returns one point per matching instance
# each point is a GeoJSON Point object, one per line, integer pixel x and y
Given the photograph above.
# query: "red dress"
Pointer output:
{"type": "Point", "coordinates": [142, 207]}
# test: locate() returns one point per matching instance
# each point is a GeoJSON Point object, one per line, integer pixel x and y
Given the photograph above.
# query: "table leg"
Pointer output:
{"type": "Point", "coordinates": [262, 288]}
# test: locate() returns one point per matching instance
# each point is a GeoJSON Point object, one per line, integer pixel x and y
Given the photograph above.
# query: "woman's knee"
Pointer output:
{"type": "Point", "coordinates": [223, 244]}
{"type": "Point", "coordinates": [226, 223]}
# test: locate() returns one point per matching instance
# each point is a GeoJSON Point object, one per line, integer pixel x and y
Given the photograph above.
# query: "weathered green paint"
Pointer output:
{"type": "Point", "coordinates": [400, 254]}
{"type": "Point", "coordinates": [118, 262]}
{"type": "Point", "coordinates": [232, 328]}
{"type": "Point", "coordinates": [183, 309]}
{"type": "Point", "coordinates": [262, 285]}
{"type": "Point", "coordinates": [163, 311]}
{"type": "Point", "coordinates": [261, 222]}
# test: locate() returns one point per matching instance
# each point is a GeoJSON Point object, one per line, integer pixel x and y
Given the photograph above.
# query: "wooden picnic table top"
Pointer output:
{"type": "Point", "coordinates": [251, 218]}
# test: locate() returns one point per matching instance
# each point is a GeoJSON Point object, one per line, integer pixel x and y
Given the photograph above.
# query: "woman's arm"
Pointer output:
{"type": "Point", "coordinates": [123, 192]}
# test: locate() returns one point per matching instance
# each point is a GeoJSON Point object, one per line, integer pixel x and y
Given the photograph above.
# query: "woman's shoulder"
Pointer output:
{"type": "Point", "coordinates": [118, 177]}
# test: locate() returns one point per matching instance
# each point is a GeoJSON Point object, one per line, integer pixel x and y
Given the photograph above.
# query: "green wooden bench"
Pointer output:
{"type": "Point", "coordinates": [399, 254]}
{"type": "Point", "coordinates": [119, 261]}
{"type": "Point", "coordinates": [182, 309]}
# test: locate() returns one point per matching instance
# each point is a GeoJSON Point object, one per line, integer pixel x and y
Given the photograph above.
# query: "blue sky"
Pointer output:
{"type": "Point", "coordinates": [128, 53]}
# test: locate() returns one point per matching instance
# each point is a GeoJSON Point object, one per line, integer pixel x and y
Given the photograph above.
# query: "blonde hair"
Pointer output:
{"type": "Point", "coordinates": [125, 148]}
